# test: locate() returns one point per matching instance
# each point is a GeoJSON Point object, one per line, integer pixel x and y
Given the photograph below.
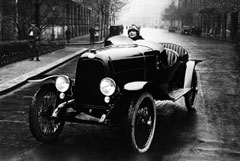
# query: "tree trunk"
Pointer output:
{"type": "Point", "coordinates": [37, 14]}
{"type": "Point", "coordinates": [105, 33]}
{"type": "Point", "coordinates": [107, 24]}
{"type": "Point", "coordinates": [102, 26]}
{"type": "Point", "coordinates": [224, 26]}
{"type": "Point", "coordinates": [234, 28]}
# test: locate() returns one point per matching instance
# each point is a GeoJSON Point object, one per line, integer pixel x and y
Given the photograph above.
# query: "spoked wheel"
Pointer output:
{"type": "Point", "coordinates": [43, 127]}
{"type": "Point", "coordinates": [141, 122]}
{"type": "Point", "coordinates": [190, 96]}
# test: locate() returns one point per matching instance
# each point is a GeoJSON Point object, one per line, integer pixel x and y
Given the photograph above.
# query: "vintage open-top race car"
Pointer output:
{"type": "Point", "coordinates": [116, 85]}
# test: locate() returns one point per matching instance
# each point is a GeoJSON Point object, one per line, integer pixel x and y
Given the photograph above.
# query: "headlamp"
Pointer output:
{"type": "Point", "coordinates": [62, 83]}
{"type": "Point", "coordinates": [107, 86]}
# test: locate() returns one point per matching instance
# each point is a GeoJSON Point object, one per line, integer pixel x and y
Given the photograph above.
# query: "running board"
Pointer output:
{"type": "Point", "coordinates": [85, 118]}
{"type": "Point", "coordinates": [177, 93]}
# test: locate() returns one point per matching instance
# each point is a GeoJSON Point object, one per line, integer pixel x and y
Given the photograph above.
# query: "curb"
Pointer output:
{"type": "Point", "coordinates": [22, 79]}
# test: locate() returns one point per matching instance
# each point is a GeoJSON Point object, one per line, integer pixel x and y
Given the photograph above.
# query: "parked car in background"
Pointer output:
{"type": "Point", "coordinates": [172, 29]}
{"type": "Point", "coordinates": [186, 30]}
{"type": "Point", "coordinates": [116, 86]}
{"type": "Point", "coordinates": [116, 30]}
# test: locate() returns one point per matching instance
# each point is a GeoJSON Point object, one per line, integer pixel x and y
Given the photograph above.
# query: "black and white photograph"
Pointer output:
{"type": "Point", "coordinates": [119, 80]}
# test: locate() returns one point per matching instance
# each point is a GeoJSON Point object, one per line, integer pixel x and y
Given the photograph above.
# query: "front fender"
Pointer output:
{"type": "Point", "coordinates": [155, 90]}
{"type": "Point", "coordinates": [133, 89]}
{"type": "Point", "coordinates": [135, 86]}
{"type": "Point", "coordinates": [50, 79]}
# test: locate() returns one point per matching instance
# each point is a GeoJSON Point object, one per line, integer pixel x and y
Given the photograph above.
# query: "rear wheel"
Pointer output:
{"type": "Point", "coordinates": [141, 122]}
{"type": "Point", "coordinates": [43, 127]}
{"type": "Point", "coordinates": [190, 96]}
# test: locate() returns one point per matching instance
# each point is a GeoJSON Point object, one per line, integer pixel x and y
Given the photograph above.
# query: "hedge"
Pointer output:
{"type": "Point", "coordinates": [11, 52]}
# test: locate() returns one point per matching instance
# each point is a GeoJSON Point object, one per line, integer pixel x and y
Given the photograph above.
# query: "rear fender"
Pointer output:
{"type": "Point", "coordinates": [189, 72]}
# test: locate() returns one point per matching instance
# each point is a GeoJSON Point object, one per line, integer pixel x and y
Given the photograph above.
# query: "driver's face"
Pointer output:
{"type": "Point", "coordinates": [132, 34]}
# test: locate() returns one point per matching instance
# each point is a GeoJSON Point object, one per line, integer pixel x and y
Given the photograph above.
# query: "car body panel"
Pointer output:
{"type": "Point", "coordinates": [134, 66]}
{"type": "Point", "coordinates": [188, 74]}
{"type": "Point", "coordinates": [118, 84]}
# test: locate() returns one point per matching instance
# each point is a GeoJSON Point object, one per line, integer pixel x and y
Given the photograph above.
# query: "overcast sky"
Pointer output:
{"type": "Point", "coordinates": [142, 8]}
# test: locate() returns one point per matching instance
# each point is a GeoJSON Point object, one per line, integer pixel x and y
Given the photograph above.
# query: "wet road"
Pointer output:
{"type": "Point", "coordinates": [210, 134]}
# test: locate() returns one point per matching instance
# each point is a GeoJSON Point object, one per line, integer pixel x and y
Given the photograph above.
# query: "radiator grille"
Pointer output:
{"type": "Point", "coordinates": [88, 76]}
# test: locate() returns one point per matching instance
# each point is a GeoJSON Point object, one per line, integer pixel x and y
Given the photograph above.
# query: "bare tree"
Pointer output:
{"type": "Point", "coordinates": [41, 12]}
{"type": "Point", "coordinates": [225, 6]}
{"type": "Point", "coordinates": [106, 9]}
{"type": "Point", "coordinates": [7, 20]}
{"type": "Point", "coordinates": [116, 6]}
{"type": "Point", "coordinates": [170, 13]}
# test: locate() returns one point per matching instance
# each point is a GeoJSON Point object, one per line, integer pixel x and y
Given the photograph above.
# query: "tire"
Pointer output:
{"type": "Point", "coordinates": [141, 122]}
{"type": "Point", "coordinates": [190, 96]}
{"type": "Point", "coordinates": [42, 126]}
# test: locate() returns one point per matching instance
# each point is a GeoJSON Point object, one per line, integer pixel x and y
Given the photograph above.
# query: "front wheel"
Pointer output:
{"type": "Point", "coordinates": [141, 122]}
{"type": "Point", "coordinates": [43, 127]}
{"type": "Point", "coordinates": [190, 96]}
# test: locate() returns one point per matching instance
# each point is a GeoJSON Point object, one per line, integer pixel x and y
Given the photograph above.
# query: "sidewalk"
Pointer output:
{"type": "Point", "coordinates": [16, 74]}
{"type": "Point", "coordinates": [83, 40]}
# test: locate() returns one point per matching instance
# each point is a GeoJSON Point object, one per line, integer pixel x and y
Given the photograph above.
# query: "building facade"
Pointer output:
{"type": "Point", "coordinates": [72, 14]}
{"type": "Point", "coordinates": [215, 24]}
{"type": "Point", "coordinates": [76, 17]}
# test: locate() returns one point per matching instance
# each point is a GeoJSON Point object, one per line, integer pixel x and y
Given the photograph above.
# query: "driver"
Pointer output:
{"type": "Point", "coordinates": [134, 33]}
